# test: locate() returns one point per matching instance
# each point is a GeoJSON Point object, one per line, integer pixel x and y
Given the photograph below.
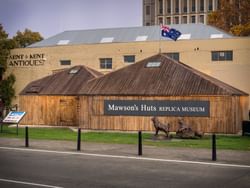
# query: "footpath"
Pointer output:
{"type": "Point", "coordinates": [168, 153]}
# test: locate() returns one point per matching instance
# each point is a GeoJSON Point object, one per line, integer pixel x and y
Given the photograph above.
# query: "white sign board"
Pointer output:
{"type": "Point", "coordinates": [14, 117]}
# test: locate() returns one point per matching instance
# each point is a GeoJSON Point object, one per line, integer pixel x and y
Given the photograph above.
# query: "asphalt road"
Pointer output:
{"type": "Point", "coordinates": [73, 170]}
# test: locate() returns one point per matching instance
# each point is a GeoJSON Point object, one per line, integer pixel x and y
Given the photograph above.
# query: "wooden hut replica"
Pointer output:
{"type": "Point", "coordinates": [52, 100]}
{"type": "Point", "coordinates": [128, 98]}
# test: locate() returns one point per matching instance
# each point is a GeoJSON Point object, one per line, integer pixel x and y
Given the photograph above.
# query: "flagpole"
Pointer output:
{"type": "Point", "coordinates": [160, 40]}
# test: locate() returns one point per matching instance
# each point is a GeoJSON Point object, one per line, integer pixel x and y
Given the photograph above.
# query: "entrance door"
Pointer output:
{"type": "Point", "coordinates": [68, 112]}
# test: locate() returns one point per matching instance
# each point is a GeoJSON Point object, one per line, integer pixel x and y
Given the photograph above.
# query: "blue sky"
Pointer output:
{"type": "Point", "coordinates": [50, 17]}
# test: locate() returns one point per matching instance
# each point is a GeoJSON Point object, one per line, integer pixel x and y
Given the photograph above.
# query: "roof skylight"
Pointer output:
{"type": "Point", "coordinates": [63, 42]}
{"type": "Point", "coordinates": [216, 36]}
{"type": "Point", "coordinates": [107, 39]}
{"type": "Point", "coordinates": [185, 36]}
{"type": "Point", "coordinates": [74, 70]}
{"type": "Point", "coordinates": [153, 64]}
{"type": "Point", "coordinates": [141, 38]}
{"type": "Point", "coordinates": [34, 89]}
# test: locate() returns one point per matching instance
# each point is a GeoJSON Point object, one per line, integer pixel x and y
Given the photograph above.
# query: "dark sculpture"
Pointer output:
{"type": "Point", "coordinates": [185, 131]}
{"type": "Point", "coordinates": [160, 126]}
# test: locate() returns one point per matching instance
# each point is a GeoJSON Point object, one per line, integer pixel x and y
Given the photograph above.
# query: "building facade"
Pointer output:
{"type": "Point", "coordinates": [156, 12]}
{"type": "Point", "coordinates": [126, 99]}
{"type": "Point", "coordinates": [203, 47]}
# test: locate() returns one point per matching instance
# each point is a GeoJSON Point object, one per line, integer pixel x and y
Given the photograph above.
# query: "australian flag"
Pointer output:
{"type": "Point", "coordinates": [170, 32]}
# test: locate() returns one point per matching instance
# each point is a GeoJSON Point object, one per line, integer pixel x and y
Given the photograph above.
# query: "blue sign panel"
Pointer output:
{"type": "Point", "coordinates": [156, 108]}
{"type": "Point", "coordinates": [14, 117]}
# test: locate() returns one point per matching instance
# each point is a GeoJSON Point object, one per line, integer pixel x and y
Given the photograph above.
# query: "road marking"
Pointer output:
{"type": "Point", "coordinates": [28, 183]}
{"type": "Point", "coordinates": [127, 157]}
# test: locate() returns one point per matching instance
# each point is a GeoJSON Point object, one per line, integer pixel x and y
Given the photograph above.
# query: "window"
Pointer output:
{"type": "Point", "coordinates": [105, 63]}
{"type": "Point", "coordinates": [210, 5]}
{"type": "Point", "coordinates": [192, 19]}
{"type": "Point", "coordinates": [176, 20]}
{"type": "Point", "coordinates": [160, 7]}
{"type": "Point", "coordinates": [169, 10]}
{"type": "Point", "coordinates": [201, 19]}
{"type": "Point", "coordinates": [168, 20]}
{"type": "Point", "coordinates": [174, 55]}
{"type": "Point", "coordinates": [193, 5]}
{"type": "Point", "coordinates": [160, 21]}
{"type": "Point", "coordinates": [185, 6]}
{"type": "Point", "coordinates": [129, 58]}
{"type": "Point", "coordinates": [222, 55]}
{"type": "Point", "coordinates": [147, 10]}
{"type": "Point", "coordinates": [202, 5]}
{"type": "Point", "coordinates": [169, 6]}
{"type": "Point", "coordinates": [65, 62]}
{"type": "Point", "coordinates": [184, 19]}
{"type": "Point", "coordinates": [177, 6]}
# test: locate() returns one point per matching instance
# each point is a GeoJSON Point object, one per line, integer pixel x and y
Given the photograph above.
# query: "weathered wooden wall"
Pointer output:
{"type": "Point", "coordinates": [226, 114]}
{"type": "Point", "coordinates": [49, 110]}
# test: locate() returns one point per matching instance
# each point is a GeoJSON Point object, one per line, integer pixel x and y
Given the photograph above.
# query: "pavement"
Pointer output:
{"type": "Point", "coordinates": [21, 167]}
{"type": "Point", "coordinates": [57, 164]}
{"type": "Point", "coordinates": [166, 153]}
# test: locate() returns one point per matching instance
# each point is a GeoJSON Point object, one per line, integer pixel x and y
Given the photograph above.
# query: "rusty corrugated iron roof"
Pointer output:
{"type": "Point", "coordinates": [66, 82]}
{"type": "Point", "coordinates": [158, 76]}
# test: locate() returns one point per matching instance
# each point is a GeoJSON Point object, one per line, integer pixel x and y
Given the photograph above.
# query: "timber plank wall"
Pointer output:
{"type": "Point", "coordinates": [226, 114]}
{"type": "Point", "coordinates": [49, 110]}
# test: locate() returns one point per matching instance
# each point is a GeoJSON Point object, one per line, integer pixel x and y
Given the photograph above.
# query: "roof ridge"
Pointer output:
{"type": "Point", "coordinates": [228, 88]}
{"type": "Point", "coordinates": [92, 71]}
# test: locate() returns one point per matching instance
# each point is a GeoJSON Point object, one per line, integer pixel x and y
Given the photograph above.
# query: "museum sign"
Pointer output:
{"type": "Point", "coordinates": [157, 108]}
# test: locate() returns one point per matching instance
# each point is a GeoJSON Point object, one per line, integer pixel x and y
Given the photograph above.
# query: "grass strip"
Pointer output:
{"type": "Point", "coordinates": [223, 141]}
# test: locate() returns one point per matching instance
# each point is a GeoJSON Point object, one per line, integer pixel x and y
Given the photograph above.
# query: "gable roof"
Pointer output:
{"type": "Point", "coordinates": [130, 34]}
{"type": "Point", "coordinates": [66, 82]}
{"type": "Point", "coordinates": [170, 78]}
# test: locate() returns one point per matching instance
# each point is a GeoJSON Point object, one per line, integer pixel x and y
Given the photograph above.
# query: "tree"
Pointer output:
{"type": "Point", "coordinates": [3, 51]}
{"type": "Point", "coordinates": [7, 92]}
{"type": "Point", "coordinates": [5, 46]}
{"type": "Point", "coordinates": [232, 16]}
{"type": "Point", "coordinates": [22, 39]}
{"type": "Point", "coordinates": [27, 38]}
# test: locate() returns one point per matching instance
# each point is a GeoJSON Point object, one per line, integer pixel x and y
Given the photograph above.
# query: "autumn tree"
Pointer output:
{"type": "Point", "coordinates": [232, 16]}
{"type": "Point", "coordinates": [27, 38]}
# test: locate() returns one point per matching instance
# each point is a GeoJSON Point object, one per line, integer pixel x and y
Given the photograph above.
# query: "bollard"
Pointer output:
{"type": "Point", "coordinates": [139, 143]}
{"type": "Point", "coordinates": [26, 137]}
{"type": "Point", "coordinates": [214, 158]}
{"type": "Point", "coordinates": [79, 140]}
